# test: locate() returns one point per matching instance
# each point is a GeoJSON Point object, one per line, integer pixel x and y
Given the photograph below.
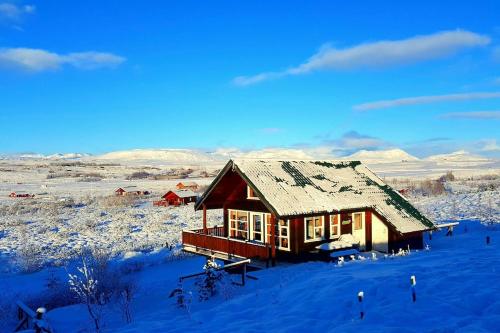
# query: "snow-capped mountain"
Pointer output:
{"type": "Point", "coordinates": [168, 156]}
{"type": "Point", "coordinates": [457, 156]}
{"type": "Point", "coordinates": [382, 156]}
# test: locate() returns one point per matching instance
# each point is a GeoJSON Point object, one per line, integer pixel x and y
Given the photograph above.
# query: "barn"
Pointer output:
{"type": "Point", "coordinates": [193, 186]}
{"type": "Point", "coordinates": [120, 191]}
{"type": "Point", "coordinates": [179, 197]}
{"type": "Point", "coordinates": [291, 208]}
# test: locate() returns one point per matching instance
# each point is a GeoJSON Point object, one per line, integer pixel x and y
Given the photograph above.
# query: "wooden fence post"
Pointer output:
{"type": "Point", "coordinates": [361, 295]}
{"type": "Point", "coordinates": [413, 282]}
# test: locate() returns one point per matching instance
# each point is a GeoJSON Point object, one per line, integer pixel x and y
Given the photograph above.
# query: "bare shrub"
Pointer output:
{"type": "Point", "coordinates": [139, 175]}
{"type": "Point", "coordinates": [29, 258]}
{"type": "Point", "coordinates": [448, 177]}
{"type": "Point", "coordinates": [127, 293]}
{"type": "Point", "coordinates": [118, 201]}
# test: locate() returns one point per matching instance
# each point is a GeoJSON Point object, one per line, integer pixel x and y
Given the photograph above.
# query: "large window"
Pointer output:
{"type": "Point", "coordinates": [238, 224]}
{"type": "Point", "coordinates": [281, 233]}
{"type": "Point", "coordinates": [314, 228]}
{"type": "Point", "coordinates": [334, 226]}
{"type": "Point", "coordinates": [357, 221]}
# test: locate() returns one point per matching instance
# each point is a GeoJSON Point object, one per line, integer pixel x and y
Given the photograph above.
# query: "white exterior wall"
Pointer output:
{"type": "Point", "coordinates": [380, 235]}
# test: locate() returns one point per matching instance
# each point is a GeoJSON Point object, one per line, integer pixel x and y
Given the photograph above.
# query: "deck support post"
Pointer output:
{"type": "Point", "coordinates": [205, 229]}
{"type": "Point", "coordinates": [273, 240]}
{"type": "Point", "coordinates": [243, 274]}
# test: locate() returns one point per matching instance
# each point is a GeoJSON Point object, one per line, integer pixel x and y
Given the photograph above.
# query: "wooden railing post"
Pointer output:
{"type": "Point", "coordinates": [273, 240]}
{"type": "Point", "coordinates": [205, 218]}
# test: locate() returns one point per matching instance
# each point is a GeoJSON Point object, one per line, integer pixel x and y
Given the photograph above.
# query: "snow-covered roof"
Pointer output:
{"type": "Point", "coordinates": [184, 193]}
{"type": "Point", "coordinates": [188, 183]}
{"type": "Point", "coordinates": [292, 188]}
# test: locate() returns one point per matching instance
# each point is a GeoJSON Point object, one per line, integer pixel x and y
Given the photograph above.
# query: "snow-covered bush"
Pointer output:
{"type": "Point", "coordinates": [84, 285]}
{"type": "Point", "coordinates": [29, 257]}
{"type": "Point", "coordinates": [208, 283]}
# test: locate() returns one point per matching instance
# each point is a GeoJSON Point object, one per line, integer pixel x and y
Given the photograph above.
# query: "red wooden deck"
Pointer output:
{"type": "Point", "coordinates": [213, 240]}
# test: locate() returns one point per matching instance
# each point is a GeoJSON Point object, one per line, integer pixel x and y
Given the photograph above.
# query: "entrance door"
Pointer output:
{"type": "Point", "coordinates": [358, 228]}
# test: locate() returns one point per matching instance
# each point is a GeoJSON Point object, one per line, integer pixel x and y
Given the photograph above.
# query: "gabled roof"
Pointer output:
{"type": "Point", "coordinates": [290, 188]}
{"type": "Point", "coordinates": [182, 193]}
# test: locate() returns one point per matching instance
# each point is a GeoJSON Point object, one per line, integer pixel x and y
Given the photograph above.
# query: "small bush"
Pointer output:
{"type": "Point", "coordinates": [139, 175]}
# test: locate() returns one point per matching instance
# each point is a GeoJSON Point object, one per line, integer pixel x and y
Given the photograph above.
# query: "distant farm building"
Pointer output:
{"type": "Point", "coordinates": [21, 195]}
{"type": "Point", "coordinates": [121, 191]}
{"type": "Point", "coordinates": [193, 186]}
{"type": "Point", "coordinates": [176, 198]}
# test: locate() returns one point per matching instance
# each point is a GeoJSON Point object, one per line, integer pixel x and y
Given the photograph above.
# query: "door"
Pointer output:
{"type": "Point", "coordinates": [358, 228]}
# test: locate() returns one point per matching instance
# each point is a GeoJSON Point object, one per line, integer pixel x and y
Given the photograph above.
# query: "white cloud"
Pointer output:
{"type": "Point", "coordinates": [491, 146]}
{"type": "Point", "coordinates": [13, 12]}
{"type": "Point", "coordinates": [37, 60]}
{"type": "Point", "coordinates": [472, 115]}
{"type": "Point", "coordinates": [391, 103]}
{"type": "Point", "coordinates": [380, 54]}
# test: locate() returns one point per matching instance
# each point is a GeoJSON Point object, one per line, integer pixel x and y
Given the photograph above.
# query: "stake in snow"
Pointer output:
{"type": "Point", "coordinates": [290, 209]}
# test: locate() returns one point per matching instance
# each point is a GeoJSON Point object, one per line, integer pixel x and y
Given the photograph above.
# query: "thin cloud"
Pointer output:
{"type": "Point", "coordinates": [379, 54]}
{"type": "Point", "coordinates": [392, 103]}
{"type": "Point", "coordinates": [37, 60]}
{"type": "Point", "coordinates": [10, 12]}
{"type": "Point", "coordinates": [472, 115]}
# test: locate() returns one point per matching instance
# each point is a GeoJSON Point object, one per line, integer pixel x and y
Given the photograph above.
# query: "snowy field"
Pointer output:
{"type": "Point", "coordinates": [74, 207]}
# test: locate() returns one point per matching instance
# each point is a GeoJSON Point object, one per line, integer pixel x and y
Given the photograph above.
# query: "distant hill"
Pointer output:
{"type": "Point", "coordinates": [382, 156]}
{"type": "Point", "coordinates": [457, 156]}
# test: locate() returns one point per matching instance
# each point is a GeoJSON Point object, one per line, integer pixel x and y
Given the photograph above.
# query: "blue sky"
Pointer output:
{"type": "Point", "coordinates": [99, 76]}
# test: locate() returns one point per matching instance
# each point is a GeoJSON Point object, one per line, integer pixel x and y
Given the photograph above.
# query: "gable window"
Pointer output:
{"type": "Point", "coordinates": [251, 194]}
{"type": "Point", "coordinates": [314, 228]}
{"type": "Point", "coordinates": [238, 224]}
{"type": "Point", "coordinates": [357, 221]}
{"type": "Point", "coordinates": [334, 226]}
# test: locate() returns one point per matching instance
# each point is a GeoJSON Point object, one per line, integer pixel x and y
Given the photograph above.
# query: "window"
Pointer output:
{"type": "Point", "coordinates": [257, 227]}
{"type": "Point", "coordinates": [313, 228]}
{"type": "Point", "coordinates": [357, 221]}
{"type": "Point", "coordinates": [281, 233]}
{"type": "Point", "coordinates": [238, 224]}
{"type": "Point", "coordinates": [251, 194]}
{"type": "Point", "coordinates": [334, 226]}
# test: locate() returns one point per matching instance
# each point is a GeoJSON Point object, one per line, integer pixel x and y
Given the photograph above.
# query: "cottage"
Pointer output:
{"type": "Point", "coordinates": [193, 186]}
{"type": "Point", "coordinates": [291, 208]}
{"type": "Point", "coordinates": [21, 195]}
{"type": "Point", "coordinates": [120, 191]}
{"type": "Point", "coordinates": [177, 197]}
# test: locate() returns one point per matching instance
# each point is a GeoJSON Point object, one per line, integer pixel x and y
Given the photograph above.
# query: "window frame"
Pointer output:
{"type": "Point", "coordinates": [251, 194]}
{"type": "Point", "coordinates": [332, 219]}
{"type": "Point", "coordinates": [236, 228]}
{"type": "Point", "coordinates": [313, 220]}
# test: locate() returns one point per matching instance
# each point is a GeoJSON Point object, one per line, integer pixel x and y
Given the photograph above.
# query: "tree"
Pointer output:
{"type": "Point", "coordinates": [207, 285]}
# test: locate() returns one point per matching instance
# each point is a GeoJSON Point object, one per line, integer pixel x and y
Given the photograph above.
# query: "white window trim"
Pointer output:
{"type": "Point", "coordinates": [332, 235]}
{"type": "Point", "coordinates": [248, 194]}
{"type": "Point", "coordinates": [287, 236]}
{"type": "Point", "coordinates": [236, 229]}
{"type": "Point", "coordinates": [262, 226]}
{"type": "Point", "coordinates": [322, 230]}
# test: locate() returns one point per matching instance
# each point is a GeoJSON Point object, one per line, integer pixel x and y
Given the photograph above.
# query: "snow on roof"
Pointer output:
{"type": "Point", "coordinates": [184, 193]}
{"type": "Point", "coordinates": [188, 183]}
{"type": "Point", "coordinates": [309, 187]}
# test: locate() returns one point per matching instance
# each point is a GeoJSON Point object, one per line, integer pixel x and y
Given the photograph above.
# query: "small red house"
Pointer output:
{"type": "Point", "coordinates": [178, 198]}
{"type": "Point", "coordinates": [21, 195]}
{"type": "Point", "coordinates": [291, 209]}
{"type": "Point", "coordinates": [120, 191]}
{"type": "Point", "coordinates": [193, 186]}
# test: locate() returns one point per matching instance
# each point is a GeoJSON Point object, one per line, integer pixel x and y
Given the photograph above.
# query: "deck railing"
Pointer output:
{"type": "Point", "coordinates": [213, 240]}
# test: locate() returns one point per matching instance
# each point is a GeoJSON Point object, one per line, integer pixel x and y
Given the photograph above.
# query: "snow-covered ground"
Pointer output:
{"type": "Point", "coordinates": [69, 212]}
